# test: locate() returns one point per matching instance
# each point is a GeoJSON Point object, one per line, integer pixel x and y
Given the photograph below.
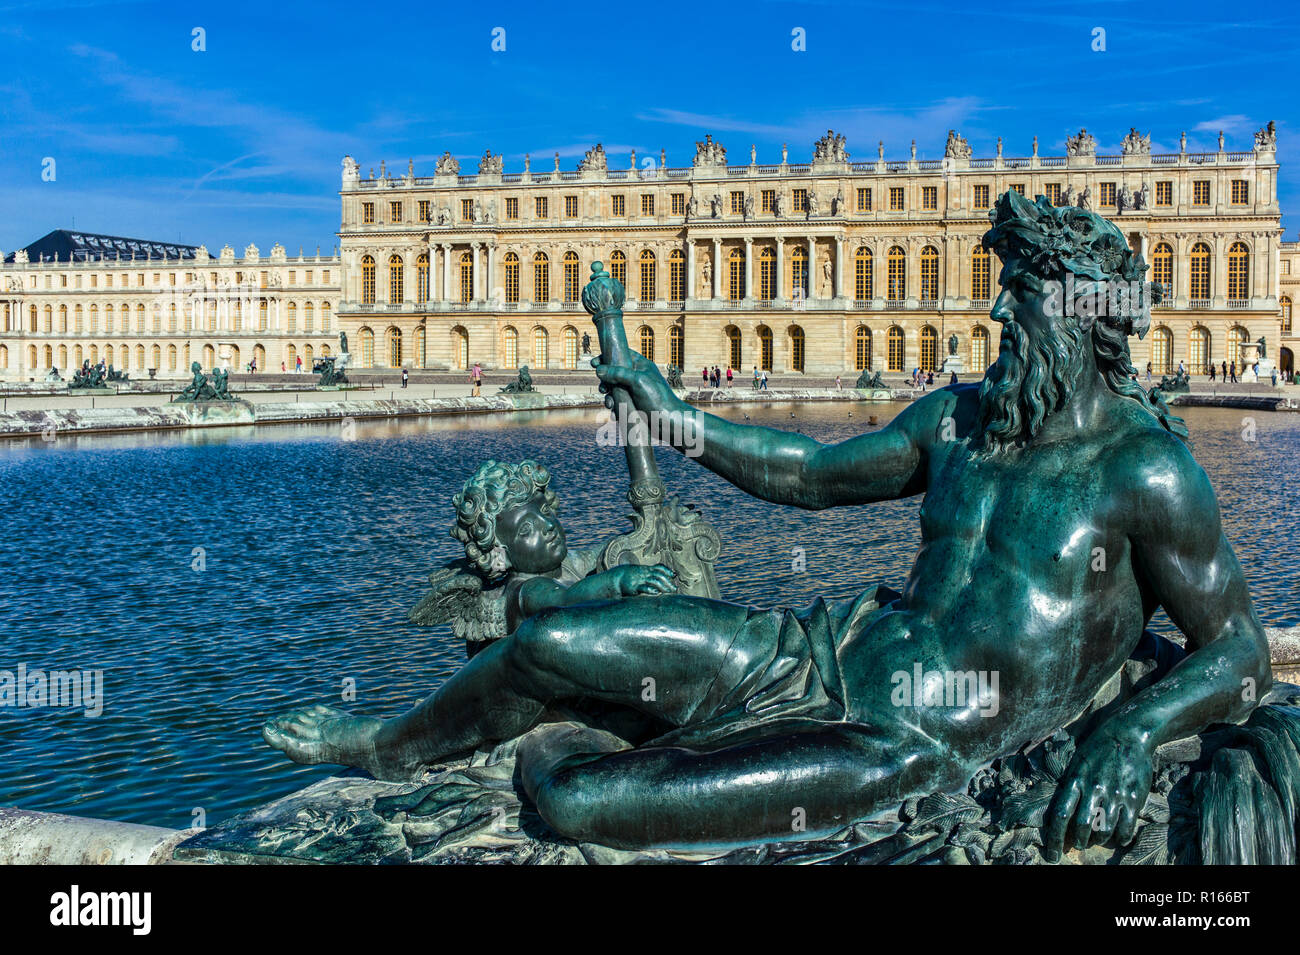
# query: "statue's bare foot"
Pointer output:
{"type": "Point", "coordinates": [322, 734]}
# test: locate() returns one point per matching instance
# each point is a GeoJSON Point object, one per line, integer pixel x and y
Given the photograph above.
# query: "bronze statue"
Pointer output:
{"type": "Point", "coordinates": [521, 384]}
{"type": "Point", "coordinates": [1060, 508]}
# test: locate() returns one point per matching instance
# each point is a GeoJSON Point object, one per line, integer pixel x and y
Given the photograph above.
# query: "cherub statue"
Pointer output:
{"type": "Point", "coordinates": [517, 562]}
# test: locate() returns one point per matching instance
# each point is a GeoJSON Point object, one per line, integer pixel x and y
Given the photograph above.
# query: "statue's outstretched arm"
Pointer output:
{"type": "Point", "coordinates": [780, 466]}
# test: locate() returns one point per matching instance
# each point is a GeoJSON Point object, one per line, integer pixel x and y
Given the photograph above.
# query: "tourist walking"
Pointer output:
{"type": "Point", "coordinates": [756, 378]}
{"type": "Point", "coordinates": [405, 377]}
{"type": "Point", "coordinates": [953, 380]}
{"type": "Point", "coordinates": [298, 369]}
{"type": "Point", "coordinates": [476, 379]}
{"type": "Point", "coordinates": [1148, 371]}
{"type": "Point", "coordinates": [762, 382]}
{"type": "Point", "coordinates": [705, 376]}
{"type": "Point", "coordinates": [728, 376]}
{"type": "Point", "coordinates": [838, 385]}
{"type": "Point", "coordinates": [1212, 370]}
{"type": "Point", "coordinates": [1232, 372]}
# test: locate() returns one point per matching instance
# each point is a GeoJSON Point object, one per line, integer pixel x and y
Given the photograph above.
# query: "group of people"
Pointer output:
{"type": "Point", "coordinates": [1225, 372]}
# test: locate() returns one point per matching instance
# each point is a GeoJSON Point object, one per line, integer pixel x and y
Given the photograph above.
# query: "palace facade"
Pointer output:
{"type": "Point", "coordinates": [821, 268]}
{"type": "Point", "coordinates": [826, 267]}
{"type": "Point", "coordinates": [141, 306]}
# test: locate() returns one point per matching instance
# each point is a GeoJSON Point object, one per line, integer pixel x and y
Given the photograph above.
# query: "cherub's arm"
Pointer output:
{"type": "Point", "coordinates": [626, 580]}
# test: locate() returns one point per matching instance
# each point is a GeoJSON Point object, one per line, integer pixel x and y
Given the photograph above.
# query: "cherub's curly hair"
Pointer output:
{"type": "Point", "coordinates": [494, 488]}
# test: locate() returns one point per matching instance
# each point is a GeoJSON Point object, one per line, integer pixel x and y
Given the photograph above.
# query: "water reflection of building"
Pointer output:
{"type": "Point", "coordinates": [138, 305]}
{"type": "Point", "coordinates": [822, 267]}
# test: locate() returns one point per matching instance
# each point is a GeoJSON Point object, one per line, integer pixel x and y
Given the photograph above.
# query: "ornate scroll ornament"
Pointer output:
{"type": "Point", "coordinates": [594, 160]}
{"type": "Point", "coordinates": [1266, 138]}
{"type": "Point", "coordinates": [709, 153]}
{"type": "Point", "coordinates": [1084, 144]}
{"type": "Point", "coordinates": [489, 164]}
{"type": "Point", "coordinates": [956, 147]}
{"type": "Point", "coordinates": [447, 165]}
{"type": "Point", "coordinates": [1135, 144]}
{"type": "Point", "coordinates": [830, 148]}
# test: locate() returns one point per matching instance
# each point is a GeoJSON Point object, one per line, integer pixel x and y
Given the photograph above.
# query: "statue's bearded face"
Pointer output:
{"type": "Point", "coordinates": [1038, 363]}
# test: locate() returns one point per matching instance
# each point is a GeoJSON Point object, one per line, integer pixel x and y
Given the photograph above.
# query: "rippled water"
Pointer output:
{"type": "Point", "coordinates": [316, 547]}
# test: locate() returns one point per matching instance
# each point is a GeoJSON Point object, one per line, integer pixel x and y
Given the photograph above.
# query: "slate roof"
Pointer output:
{"type": "Point", "coordinates": [70, 245]}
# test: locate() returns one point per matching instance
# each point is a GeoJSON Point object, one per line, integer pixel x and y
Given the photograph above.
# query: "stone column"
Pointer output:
{"type": "Point", "coordinates": [477, 295]}
{"type": "Point", "coordinates": [812, 268]}
{"type": "Point", "coordinates": [446, 272]}
{"type": "Point", "coordinates": [780, 267]}
{"type": "Point", "coordinates": [487, 277]}
{"type": "Point", "coordinates": [749, 268]}
{"type": "Point", "coordinates": [838, 290]}
{"type": "Point", "coordinates": [690, 271]}
{"type": "Point", "coordinates": [717, 269]}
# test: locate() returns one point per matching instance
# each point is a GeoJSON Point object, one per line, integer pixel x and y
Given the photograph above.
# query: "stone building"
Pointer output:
{"type": "Point", "coordinates": [824, 267]}
{"type": "Point", "coordinates": [139, 305]}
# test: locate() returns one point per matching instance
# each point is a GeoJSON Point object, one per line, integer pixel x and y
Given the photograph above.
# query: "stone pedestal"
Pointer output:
{"type": "Point", "coordinates": [953, 363]}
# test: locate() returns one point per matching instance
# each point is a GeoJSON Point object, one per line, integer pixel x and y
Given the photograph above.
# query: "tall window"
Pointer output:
{"type": "Point", "coordinates": [979, 348]}
{"type": "Point", "coordinates": [864, 200]}
{"type": "Point", "coordinates": [768, 201]}
{"type": "Point", "coordinates": [394, 347]}
{"type": "Point", "coordinates": [863, 285]}
{"type": "Point", "coordinates": [325, 313]}
{"type": "Point", "coordinates": [796, 348]}
{"type": "Point", "coordinates": [367, 213]}
{"type": "Point", "coordinates": [510, 347]}
{"type": "Point", "coordinates": [733, 346]}
{"type": "Point", "coordinates": [541, 347]}
{"type": "Point", "coordinates": [929, 348]}
{"type": "Point", "coordinates": [675, 345]}
{"type": "Point", "coordinates": [1165, 193]}
{"type": "Point", "coordinates": [1201, 192]}
{"type": "Point", "coordinates": [1198, 350]}
{"type": "Point", "coordinates": [979, 273]}
{"type": "Point", "coordinates": [930, 198]}
{"type": "Point", "coordinates": [291, 326]}
{"type": "Point", "coordinates": [541, 278]}
{"type": "Point", "coordinates": [512, 278]}
{"type": "Point", "coordinates": [395, 211]}
{"type": "Point", "coordinates": [676, 276]}
{"type": "Point", "coordinates": [367, 280]}
{"type": "Point", "coordinates": [929, 274]}
{"type": "Point", "coordinates": [897, 260]}
{"type": "Point", "coordinates": [512, 208]}
{"type": "Point", "coordinates": [1162, 268]}
{"type": "Point", "coordinates": [367, 350]}
{"type": "Point", "coordinates": [649, 276]}
{"type": "Point", "coordinates": [1237, 336]}
{"type": "Point", "coordinates": [1240, 192]}
{"type": "Point", "coordinates": [799, 200]}
{"type": "Point", "coordinates": [896, 203]}
{"type": "Point", "coordinates": [570, 207]}
{"type": "Point", "coordinates": [618, 205]}
{"type": "Point", "coordinates": [799, 273]}
{"type": "Point", "coordinates": [618, 268]}
{"type": "Point", "coordinates": [1162, 351]}
{"type": "Point", "coordinates": [1053, 192]}
{"type": "Point", "coordinates": [737, 202]}
{"type": "Point", "coordinates": [895, 341]}
{"type": "Point", "coordinates": [646, 338]}
{"type": "Point", "coordinates": [1238, 272]}
{"type": "Point", "coordinates": [679, 203]}
{"type": "Point", "coordinates": [1198, 279]}
{"type": "Point", "coordinates": [570, 347]}
{"type": "Point", "coordinates": [736, 275]}
{"type": "Point", "coordinates": [308, 319]}
{"type": "Point", "coordinates": [767, 274]}
{"type": "Point", "coordinates": [466, 277]}
{"type": "Point", "coordinates": [422, 278]}
{"type": "Point", "coordinates": [765, 347]}
{"type": "Point", "coordinates": [981, 198]}
{"type": "Point", "coordinates": [1286, 315]}
{"type": "Point", "coordinates": [572, 285]}
{"type": "Point", "coordinates": [395, 289]}
{"type": "Point", "coordinates": [539, 207]}
{"type": "Point", "coordinates": [1107, 197]}
{"type": "Point", "coordinates": [647, 204]}
{"type": "Point", "coordinates": [862, 348]}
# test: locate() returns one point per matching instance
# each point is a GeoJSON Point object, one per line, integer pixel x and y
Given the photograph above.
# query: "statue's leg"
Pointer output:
{"type": "Point", "coordinates": [664, 656]}
{"type": "Point", "coordinates": [795, 784]}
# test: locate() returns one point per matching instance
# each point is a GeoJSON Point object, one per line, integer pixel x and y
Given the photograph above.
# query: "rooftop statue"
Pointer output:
{"type": "Point", "coordinates": [1060, 508]}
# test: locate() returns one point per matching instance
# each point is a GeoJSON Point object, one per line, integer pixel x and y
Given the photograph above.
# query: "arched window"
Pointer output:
{"type": "Point", "coordinates": [325, 318]}
{"type": "Point", "coordinates": [512, 278]}
{"type": "Point", "coordinates": [63, 319]}
{"type": "Point", "coordinates": [422, 277]}
{"type": "Point", "coordinates": [94, 320]}
{"type": "Point", "coordinates": [929, 348]}
{"type": "Point", "coordinates": [979, 348]}
{"type": "Point", "coordinates": [897, 263]}
{"type": "Point", "coordinates": [675, 356]}
{"type": "Point", "coordinates": [765, 347]}
{"type": "Point", "coordinates": [863, 278]}
{"type": "Point", "coordinates": [308, 319]}
{"type": "Point", "coordinates": [510, 347]}
{"type": "Point", "coordinates": [367, 280]}
{"type": "Point", "coordinates": [171, 357]}
{"type": "Point", "coordinates": [1162, 269]}
{"type": "Point", "coordinates": [929, 274]}
{"type": "Point", "coordinates": [396, 288]}
{"type": "Point", "coordinates": [108, 319]}
{"type": "Point", "coordinates": [1162, 350]}
{"type": "Point", "coordinates": [78, 324]}
{"type": "Point", "coordinates": [736, 275]}
{"type": "Point", "coordinates": [460, 347]}
{"type": "Point", "coordinates": [796, 348]}
{"type": "Point", "coordinates": [862, 348]}
{"type": "Point", "coordinates": [979, 274]}
{"type": "Point", "coordinates": [618, 268]}
{"type": "Point", "coordinates": [572, 277]}
{"type": "Point", "coordinates": [646, 337]}
{"type": "Point", "coordinates": [1237, 336]}
{"type": "Point", "coordinates": [139, 323]}
{"type": "Point", "coordinates": [733, 346]}
{"type": "Point", "coordinates": [570, 347]}
{"type": "Point", "coordinates": [1198, 278]}
{"type": "Point", "coordinates": [541, 347]}
{"type": "Point", "coordinates": [292, 326]}
{"type": "Point", "coordinates": [648, 276]}
{"type": "Point", "coordinates": [799, 274]}
{"type": "Point", "coordinates": [262, 322]}
{"type": "Point", "coordinates": [367, 349]}
{"type": "Point", "coordinates": [767, 274]}
{"type": "Point", "coordinates": [676, 276]}
{"type": "Point", "coordinates": [63, 357]}
{"type": "Point", "coordinates": [47, 325]}
{"type": "Point", "coordinates": [1238, 272]}
{"type": "Point", "coordinates": [895, 342]}
{"type": "Point", "coordinates": [1198, 350]}
{"type": "Point", "coordinates": [139, 357]}
{"type": "Point", "coordinates": [541, 278]}
{"type": "Point", "coordinates": [394, 347]}
{"type": "Point", "coordinates": [466, 277]}
{"type": "Point", "coordinates": [1285, 303]}
{"type": "Point", "coordinates": [418, 351]}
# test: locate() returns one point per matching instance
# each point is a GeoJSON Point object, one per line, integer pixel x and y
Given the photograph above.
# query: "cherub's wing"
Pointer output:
{"type": "Point", "coordinates": [455, 592]}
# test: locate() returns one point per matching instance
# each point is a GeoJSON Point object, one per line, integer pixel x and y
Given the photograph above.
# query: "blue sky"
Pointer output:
{"type": "Point", "coordinates": [242, 142]}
